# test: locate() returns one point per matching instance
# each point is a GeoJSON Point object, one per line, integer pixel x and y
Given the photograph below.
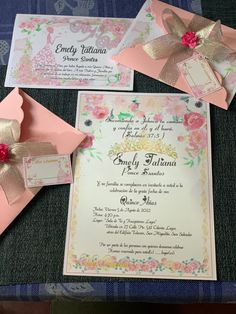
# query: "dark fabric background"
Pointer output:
{"type": "Point", "coordinates": [32, 248]}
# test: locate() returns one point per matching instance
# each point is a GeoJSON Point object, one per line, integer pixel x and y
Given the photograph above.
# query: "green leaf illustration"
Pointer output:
{"type": "Point", "coordinates": [124, 115]}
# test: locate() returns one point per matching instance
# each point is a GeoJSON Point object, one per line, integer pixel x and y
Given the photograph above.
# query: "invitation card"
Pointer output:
{"type": "Point", "coordinates": [141, 203]}
{"type": "Point", "coordinates": [67, 52]}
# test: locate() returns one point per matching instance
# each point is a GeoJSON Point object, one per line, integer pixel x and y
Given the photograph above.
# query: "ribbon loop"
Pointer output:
{"type": "Point", "coordinates": [173, 23]}
{"type": "Point", "coordinates": [208, 43]}
{"type": "Point", "coordinates": [9, 131]}
{"type": "Point", "coordinates": [11, 179]}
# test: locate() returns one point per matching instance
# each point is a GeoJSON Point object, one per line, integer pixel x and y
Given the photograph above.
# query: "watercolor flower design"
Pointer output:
{"type": "Point", "coordinates": [34, 24]}
{"type": "Point", "coordinates": [86, 147]}
{"type": "Point", "coordinates": [149, 14]}
{"type": "Point", "coordinates": [108, 35]}
{"type": "Point", "coordinates": [138, 266]}
{"type": "Point", "coordinates": [183, 110]}
{"type": "Point", "coordinates": [196, 138]}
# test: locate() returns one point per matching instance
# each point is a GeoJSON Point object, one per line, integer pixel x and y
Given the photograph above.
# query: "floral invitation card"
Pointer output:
{"type": "Point", "coordinates": [141, 203]}
{"type": "Point", "coordinates": [67, 52]}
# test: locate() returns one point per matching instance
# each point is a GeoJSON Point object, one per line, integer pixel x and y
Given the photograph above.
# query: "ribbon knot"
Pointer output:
{"type": "Point", "coordinates": [12, 153]}
{"type": "Point", "coordinates": [201, 35]}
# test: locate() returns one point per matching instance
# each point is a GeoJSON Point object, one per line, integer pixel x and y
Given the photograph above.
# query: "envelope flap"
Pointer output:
{"type": "Point", "coordinates": [11, 106]}
{"type": "Point", "coordinates": [40, 124]}
{"type": "Point", "coordinates": [157, 7]}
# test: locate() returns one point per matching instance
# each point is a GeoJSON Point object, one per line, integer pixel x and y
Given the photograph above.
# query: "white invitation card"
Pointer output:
{"type": "Point", "coordinates": [67, 52]}
{"type": "Point", "coordinates": [141, 203]}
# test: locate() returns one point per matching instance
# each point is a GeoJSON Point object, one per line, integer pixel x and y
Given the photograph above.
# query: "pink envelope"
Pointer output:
{"type": "Point", "coordinates": [37, 124]}
{"type": "Point", "coordinates": [136, 58]}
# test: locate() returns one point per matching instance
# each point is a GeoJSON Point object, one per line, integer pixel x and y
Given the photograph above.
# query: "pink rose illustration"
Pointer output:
{"type": "Point", "coordinates": [176, 109]}
{"type": "Point", "coordinates": [100, 112]}
{"type": "Point", "coordinates": [93, 99]}
{"type": "Point", "coordinates": [157, 117]}
{"type": "Point", "coordinates": [22, 25]}
{"type": "Point", "coordinates": [198, 139]}
{"type": "Point", "coordinates": [145, 267]}
{"type": "Point", "coordinates": [188, 269]}
{"type": "Point", "coordinates": [88, 108]}
{"type": "Point", "coordinates": [193, 120]}
{"type": "Point", "coordinates": [87, 142]}
{"type": "Point", "coordinates": [140, 114]}
{"type": "Point", "coordinates": [177, 266]}
{"type": "Point", "coordinates": [118, 29]}
{"type": "Point", "coordinates": [153, 264]}
{"type": "Point", "coordinates": [134, 107]}
{"type": "Point", "coordinates": [195, 265]}
{"type": "Point", "coordinates": [180, 138]}
{"type": "Point", "coordinates": [132, 267]}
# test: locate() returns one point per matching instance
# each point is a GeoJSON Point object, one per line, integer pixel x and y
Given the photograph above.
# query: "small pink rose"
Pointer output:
{"type": "Point", "coordinates": [132, 267]}
{"type": "Point", "coordinates": [134, 107]}
{"type": "Point", "coordinates": [100, 112]}
{"type": "Point", "coordinates": [188, 269]}
{"type": "Point", "coordinates": [198, 139]}
{"type": "Point", "coordinates": [94, 99]}
{"type": "Point", "coordinates": [157, 117]}
{"type": "Point", "coordinates": [193, 120]}
{"type": "Point", "coordinates": [140, 114]}
{"type": "Point", "coordinates": [153, 264]}
{"type": "Point", "coordinates": [190, 40]}
{"type": "Point", "coordinates": [88, 108]}
{"type": "Point", "coordinates": [176, 108]}
{"type": "Point", "coordinates": [118, 29]}
{"type": "Point", "coordinates": [30, 25]}
{"type": "Point", "coordinates": [177, 266]}
{"type": "Point", "coordinates": [180, 138]}
{"type": "Point", "coordinates": [195, 265]}
{"type": "Point", "coordinates": [23, 25]}
{"type": "Point", "coordinates": [145, 267]}
{"type": "Point", "coordinates": [87, 142]}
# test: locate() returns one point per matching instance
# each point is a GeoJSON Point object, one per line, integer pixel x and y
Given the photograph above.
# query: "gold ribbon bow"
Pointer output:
{"type": "Point", "coordinates": [11, 179]}
{"type": "Point", "coordinates": [170, 46]}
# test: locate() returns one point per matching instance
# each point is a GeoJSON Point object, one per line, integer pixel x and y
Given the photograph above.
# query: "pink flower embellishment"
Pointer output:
{"type": "Point", "coordinates": [190, 40]}
{"type": "Point", "coordinates": [100, 112]}
{"type": "Point", "coordinates": [87, 142]}
{"type": "Point", "coordinates": [193, 120]}
{"type": "Point", "coordinates": [4, 153]}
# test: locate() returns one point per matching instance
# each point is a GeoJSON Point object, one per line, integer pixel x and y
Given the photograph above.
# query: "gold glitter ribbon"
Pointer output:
{"type": "Point", "coordinates": [11, 179]}
{"type": "Point", "coordinates": [169, 46]}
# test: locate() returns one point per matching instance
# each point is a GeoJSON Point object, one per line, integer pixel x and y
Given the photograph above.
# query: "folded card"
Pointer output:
{"type": "Point", "coordinates": [38, 127]}
{"type": "Point", "coordinates": [155, 49]}
{"type": "Point", "coordinates": [67, 52]}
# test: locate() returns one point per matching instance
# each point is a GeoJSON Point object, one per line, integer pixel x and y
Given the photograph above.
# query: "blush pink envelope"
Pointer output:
{"type": "Point", "coordinates": [137, 59]}
{"type": "Point", "coordinates": [37, 124]}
